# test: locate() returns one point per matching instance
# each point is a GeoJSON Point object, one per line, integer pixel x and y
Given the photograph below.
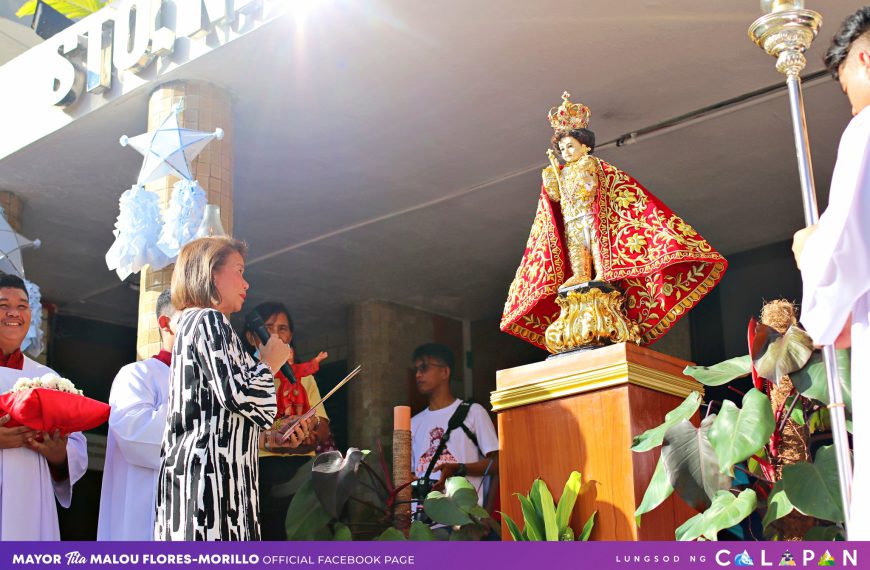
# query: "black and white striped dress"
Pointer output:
{"type": "Point", "coordinates": [219, 400]}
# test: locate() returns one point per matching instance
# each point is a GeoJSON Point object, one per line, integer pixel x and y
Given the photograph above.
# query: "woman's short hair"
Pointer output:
{"type": "Point", "coordinates": [193, 278]}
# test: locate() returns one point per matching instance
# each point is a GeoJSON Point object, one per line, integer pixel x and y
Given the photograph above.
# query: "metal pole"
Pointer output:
{"type": "Point", "coordinates": [811, 216]}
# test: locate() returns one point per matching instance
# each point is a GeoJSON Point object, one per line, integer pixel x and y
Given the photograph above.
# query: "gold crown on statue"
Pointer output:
{"type": "Point", "coordinates": [568, 115]}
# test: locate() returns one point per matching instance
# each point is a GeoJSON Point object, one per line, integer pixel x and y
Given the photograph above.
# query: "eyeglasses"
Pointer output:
{"type": "Point", "coordinates": [424, 367]}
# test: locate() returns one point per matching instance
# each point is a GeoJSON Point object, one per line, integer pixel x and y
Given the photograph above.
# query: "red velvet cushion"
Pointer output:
{"type": "Point", "coordinates": [47, 410]}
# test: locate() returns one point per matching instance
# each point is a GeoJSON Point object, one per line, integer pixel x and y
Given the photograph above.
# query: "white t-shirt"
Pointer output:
{"type": "Point", "coordinates": [428, 426]}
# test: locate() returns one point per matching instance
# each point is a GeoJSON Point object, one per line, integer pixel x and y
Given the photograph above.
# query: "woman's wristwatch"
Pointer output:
{"type": "Point", "coordinates": [462, 470]}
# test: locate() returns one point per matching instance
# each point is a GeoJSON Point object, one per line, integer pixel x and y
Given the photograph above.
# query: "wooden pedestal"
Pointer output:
{"type": "Point", "coordinates": [580, 411]}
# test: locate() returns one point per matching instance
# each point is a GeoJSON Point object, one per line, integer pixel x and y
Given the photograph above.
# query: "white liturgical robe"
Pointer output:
{"type": "Point", "coordinates": [835, 266]}
{"type": "Point", "coordinates": [27, 490]}
{"type": "Point", "coordinates": [139, 398]}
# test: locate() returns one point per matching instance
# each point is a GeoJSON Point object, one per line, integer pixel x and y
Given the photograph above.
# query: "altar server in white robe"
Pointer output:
{"type": "Point", "coordinates": [834, 255]}
{"type": "Point", "coordinates": [139, 399]}
{"type": "Point", "coordinates": [35, 467]}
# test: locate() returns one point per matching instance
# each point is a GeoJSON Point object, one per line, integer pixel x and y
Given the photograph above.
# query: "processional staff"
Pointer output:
{"type": "Point", "coordinates": [786, 32]}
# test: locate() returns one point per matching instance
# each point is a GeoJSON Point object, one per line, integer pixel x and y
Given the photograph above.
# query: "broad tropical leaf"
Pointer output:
{"type": "Point", "coordinates": [72, 9]}
{"type": "Point", "coordinates": [657, 491]}
{"type": "Point", "coordinates": [812, 379]}
{"type": "Point", "coordinates": [691, 529]}
{"type": "Point", "coordinates": [452, 507]}
{"type": "Point", "coordinates": [568, 499]}
{"type": "Point", "coordinates": [824, 534]}
{"type": "Point", "coordinates": [420, 531]}
{"type": "Point", "coordinates": [333, 477]}
{"type": "Point", "coordinates": [814, 488]}
{"type": "Point", "coordinates": [652, 438]}
{"type": "Point", "coordinates": [738, 433]}
{"type": "Point", "coordinates": [392, 534]}
{"type": "Point", "coordinates": [778, 505]}
{"type": "Point", "coordinates": [516, 534]}
{"type": "Point", "coordinates": [545, 507]}
{"type": "Point", "coordinates": [776, 355]}
{"type": "Point", "coordinates": [725, 512]}
{"type": "Point", "coordinates": [534, 526]}
{"type": "Point", "coordinates": [691, 463]}
{"type": "Point", "coordinates": [587, 528]}
{"type": "Point", "coordinates": [721, 373]}
{"type": "Point", "coordinates": [342, 533]}
{"type": "Point", "coordinates": [305, 513]}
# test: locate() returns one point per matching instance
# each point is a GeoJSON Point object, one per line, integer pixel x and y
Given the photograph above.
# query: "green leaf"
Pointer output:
{"type": "Point", "coordinates": [587, 528]}
{"type": "Point", "coordinates": [334, 477]}
{"type": "Point", "coordinates": [725, 511]}
{"type": "Point", "coordinates": [778, 505]}
{"type": "Point", "coordinates": [567, 534]}
{"type": "Point", "coordinates": [461, 492]}
{"type": "Point", "coordinates": [454, 506]}
{"type": "Point", "coordinates": [775, 355]}
{"type": "Point", "coordinates": [442, 510]}
{"type": "Point", "coordinates": [547, 509]}
{"type": "Point", "coordinates": [737, 434]}
{"type": "Point", "coordinates": [392, 534]}
{"type": "Point", "coordinates": [828, 533]}
{"type": "Point", "coordinates": [420, 531]}
{"type": "Point", "coordinates": [653, 437]}
{"type": "Point", "coordinates": [814, 488]}
{"type": "Point", "coordinates": [692, 467]}
{"type": "Point", "coordinates": [657, 491]}
{"type": "Point", "coordinates": [721, 373]}
{"type": "Point", "coordinates": [812, 380]}
{"type": "Point", "coordinates": [342, 533]}
{"type": "Point", "coordinates": [305, 513]}
{"type": "Point", "coordinates": [72, 9]}
{"type": "Point", "coordinates": [513, 528]}
{"type": "Point", "coordinates": [568, 499]}
{"type": "Point", "coordinates": [691, 529]}
{"type": "Point", "coordinates": [534, 526]}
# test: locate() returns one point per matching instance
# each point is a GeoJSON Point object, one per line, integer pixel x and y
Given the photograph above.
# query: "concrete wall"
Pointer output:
{"type": "Point", "coordinates": [382, 337]}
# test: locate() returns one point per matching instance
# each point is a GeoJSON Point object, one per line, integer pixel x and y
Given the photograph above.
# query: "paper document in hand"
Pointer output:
{"type": "Point", "coordinates": [313, 408]}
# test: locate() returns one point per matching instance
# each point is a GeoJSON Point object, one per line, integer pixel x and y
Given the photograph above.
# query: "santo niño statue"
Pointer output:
{"type": "Point", "coordinates": [606, 261]}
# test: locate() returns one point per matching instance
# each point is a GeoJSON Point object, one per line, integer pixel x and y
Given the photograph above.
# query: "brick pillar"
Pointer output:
{"type": "Point", "coordinates": [205, 107]}
{"type": "Point", "coordinates": [383, 337]}
{"type": "Point", "coordinates": [11, 204]}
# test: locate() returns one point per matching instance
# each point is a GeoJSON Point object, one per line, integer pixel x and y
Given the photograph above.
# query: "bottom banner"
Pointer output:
{"type": "Point", "coordinates": [435, 555]}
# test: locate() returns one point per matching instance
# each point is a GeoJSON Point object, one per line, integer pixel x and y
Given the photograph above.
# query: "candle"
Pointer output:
{"type": "Point", "coordinates": [402, 418]}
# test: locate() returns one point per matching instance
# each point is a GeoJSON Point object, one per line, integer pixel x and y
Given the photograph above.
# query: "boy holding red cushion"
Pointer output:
{"type": "Point", "coordinates": [35, 467]}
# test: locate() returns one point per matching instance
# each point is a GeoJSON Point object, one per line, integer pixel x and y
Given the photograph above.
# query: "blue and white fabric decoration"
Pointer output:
{"type": "Point", "coordinates": [34, 342]}
{"type": "Point", "coordinates": [183, 217]}
{"type": "Point", "coordinates": [136, 233]}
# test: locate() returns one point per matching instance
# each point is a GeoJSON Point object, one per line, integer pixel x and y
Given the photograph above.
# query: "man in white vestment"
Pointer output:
{"type": "Point", "coordinates": [834, 255]}
{"type": "Point", "coordinates": [35, 467]}
{"type": "Point", "coordinates": [139, 398]}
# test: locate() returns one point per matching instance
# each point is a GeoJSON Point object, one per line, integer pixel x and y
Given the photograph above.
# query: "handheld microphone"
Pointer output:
{"type": "Point", "coordinates": [255, 324]}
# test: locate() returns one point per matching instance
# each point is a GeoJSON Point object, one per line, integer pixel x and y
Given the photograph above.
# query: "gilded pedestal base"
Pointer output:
{"type": "Point", "coordinates": [592, 315]}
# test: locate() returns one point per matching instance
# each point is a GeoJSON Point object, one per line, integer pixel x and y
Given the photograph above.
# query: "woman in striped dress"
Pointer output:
{"type": "Point", "coordinates": [220, 400]}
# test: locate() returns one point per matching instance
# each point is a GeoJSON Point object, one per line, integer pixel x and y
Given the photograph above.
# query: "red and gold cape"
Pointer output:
{"type": "Point", "coordinates": [662, 265]}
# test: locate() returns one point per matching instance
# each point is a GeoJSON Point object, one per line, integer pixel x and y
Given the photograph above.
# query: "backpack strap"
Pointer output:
{"type": "Point", "coordinates": [457, 420]}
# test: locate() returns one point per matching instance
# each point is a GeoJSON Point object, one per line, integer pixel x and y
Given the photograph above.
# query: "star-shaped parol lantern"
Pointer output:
{"type": "Point", "coordinates": [170, 149]}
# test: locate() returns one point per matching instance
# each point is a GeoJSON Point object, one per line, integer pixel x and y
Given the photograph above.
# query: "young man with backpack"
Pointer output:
{"type": "Point", "coordinates": [450, 437]}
